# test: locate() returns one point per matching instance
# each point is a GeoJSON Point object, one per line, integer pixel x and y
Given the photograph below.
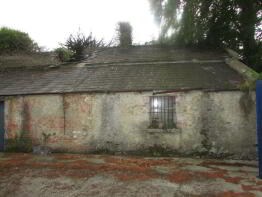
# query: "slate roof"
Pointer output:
{"type": "Point", "coordinates": [28, 60]}
{"type": "Point", "coordinates": [153, 53]}
{"type": "Point", "coordinates": [127, 76]}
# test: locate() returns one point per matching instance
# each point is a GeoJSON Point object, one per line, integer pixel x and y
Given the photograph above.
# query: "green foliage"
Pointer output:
{"type": "Point", "coordinates": [14, 41]}
{"type": "Point", "coordinates": [158, 150]}
{"type": "Point", "coordinates": [234, 24]}
{"type": "Point", "coordinates": [46, 137]}
{"type": "Point", "coordinates": [248, 85]}
{"type": "Point", "coordinates": [154, 124]}
{"type": "Point", "coordinates": [22, 143]}
{"type": "Point", "coordinates": [124, 34]}
{"type": "Point", "coordinates": [63, 54]}
{"type": "Point", "coordinates": [82, 45]}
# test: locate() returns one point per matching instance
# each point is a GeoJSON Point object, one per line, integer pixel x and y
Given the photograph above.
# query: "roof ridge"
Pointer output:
{"type": "Point", "coordinates": [119, 64]}
{"type": "Point", "coordinates": [124, 63]}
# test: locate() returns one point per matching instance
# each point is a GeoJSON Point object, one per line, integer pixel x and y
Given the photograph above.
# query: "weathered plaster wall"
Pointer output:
{"type": "Point", "coordinates": [231, 128]}
{"type": "Point", "coordinates": [34, 115]}
{"type": "Point", "coordinates": [211, 123]}
{"type": "Point", "coordinates": [13, 116]}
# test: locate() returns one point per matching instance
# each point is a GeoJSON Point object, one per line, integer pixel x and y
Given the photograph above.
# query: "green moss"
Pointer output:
{"type": "Point", "coordinates": [46, 137]}
{"type": "Point", "coordinates": [156, 150]}
{"type": "Point", "coordinates": [63, 54]}
{"type": "Point", "coordinates": [103, 151]}
{"type": "Point", "coordinates": [22, 143]}
{"type": "Point", "coordinates": [251, 84]}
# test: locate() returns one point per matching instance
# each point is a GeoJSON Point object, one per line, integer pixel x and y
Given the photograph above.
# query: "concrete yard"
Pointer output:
{"type": "Point", "coordinates": [67, 175]}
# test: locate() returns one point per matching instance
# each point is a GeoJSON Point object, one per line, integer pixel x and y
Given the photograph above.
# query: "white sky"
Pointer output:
{"type": "Point", "coordinates": [50, 22]}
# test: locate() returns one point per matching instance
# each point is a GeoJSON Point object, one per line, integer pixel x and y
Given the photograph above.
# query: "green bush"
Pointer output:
{"type": "Point", "coordinates": [14, 41]}
{"type": "Point", "coordinates": [82, 45]}
{"type": "Point", "coordinates": [63, 54]}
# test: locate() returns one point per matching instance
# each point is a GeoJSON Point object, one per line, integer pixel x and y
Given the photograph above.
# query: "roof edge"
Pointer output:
{"type": "Point", "coordinates": [194, 61]}
{"type": "Point", "coordinates": [126, 91]}
{"type": "Point", "coordinates": [245, 71]}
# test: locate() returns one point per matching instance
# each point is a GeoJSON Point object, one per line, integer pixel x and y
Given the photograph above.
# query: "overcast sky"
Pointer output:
{"type": "Point", "coordinates": [50, 22]}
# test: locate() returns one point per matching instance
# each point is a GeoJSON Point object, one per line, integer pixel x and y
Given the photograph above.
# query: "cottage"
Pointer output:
{"type": "Point", "coordinates": [139, 100]}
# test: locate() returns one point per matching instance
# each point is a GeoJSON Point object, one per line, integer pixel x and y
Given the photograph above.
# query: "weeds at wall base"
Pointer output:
{"type": "Point", "coordinates": [22, 143]}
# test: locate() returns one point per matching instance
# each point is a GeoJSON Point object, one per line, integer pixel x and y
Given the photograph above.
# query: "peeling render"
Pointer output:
{"type": "Point", "coordinates": [209, 123]}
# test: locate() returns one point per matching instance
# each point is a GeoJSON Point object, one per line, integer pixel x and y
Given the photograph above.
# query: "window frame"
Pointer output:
{"type": "Point", "coordinates": [162, 112]}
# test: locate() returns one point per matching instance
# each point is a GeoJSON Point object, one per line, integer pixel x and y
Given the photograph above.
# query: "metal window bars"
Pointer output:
{"type": "Point", "coordinates": [162, 112]}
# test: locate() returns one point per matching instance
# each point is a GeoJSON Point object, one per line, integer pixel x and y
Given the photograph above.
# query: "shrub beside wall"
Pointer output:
{"type": "Point", "coordinates": [63, 54]}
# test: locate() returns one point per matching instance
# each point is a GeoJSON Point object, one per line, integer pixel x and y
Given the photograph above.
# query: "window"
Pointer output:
{"type": "Point", "coordinates": [162, 112]}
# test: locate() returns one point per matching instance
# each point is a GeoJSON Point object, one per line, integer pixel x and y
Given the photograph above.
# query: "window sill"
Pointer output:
{"type": "Point", "coordinates": [174, 130]}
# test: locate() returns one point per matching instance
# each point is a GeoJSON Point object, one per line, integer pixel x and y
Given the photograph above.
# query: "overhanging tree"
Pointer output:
{"type": "Point", "coordinates": [213, 23]}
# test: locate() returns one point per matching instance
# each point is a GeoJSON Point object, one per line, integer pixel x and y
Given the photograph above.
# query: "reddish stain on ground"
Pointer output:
{"type": "Point", "coordinates": [140, 162]}
{"type": "Point", "coordinates": [14, 160]}
{"type": "Point", "coordinates": [213, 174]}
{"type": "Point", "coordinates": [220, 173]}
{"type": "Point", "coordinates": [134, 168]}
{"type": "Point", "coordinates": [120, 167]}
{"type": "Point", "coordinates": [180, 177]}
{"type": "Point", "coordinates": [70, 157]}
{"type": "Point", "coordinates": [233, 194]}
{"type": "Point", "coordinates": [235, 180]}
{"type": "Point", "coordinates": [123, 169]}
{"type": "Point", "coordinates": [208, 163]}
{"type": "Point", "coordinates": [251, 188]}
{"type": "Point", "coordinates": [243, 171]}
{"type": "Point", "coordinates": [128, 177]}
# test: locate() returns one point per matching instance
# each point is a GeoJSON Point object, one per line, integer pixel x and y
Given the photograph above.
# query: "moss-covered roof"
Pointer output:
{"type": "Point", "coordinates": [153, 53]}
{"type": "Point", "coordinates": [27, 60]}
{"type": "Point", "coordinates": [136, 69]}
{"type": "Point", "coordinates": [213, 76]}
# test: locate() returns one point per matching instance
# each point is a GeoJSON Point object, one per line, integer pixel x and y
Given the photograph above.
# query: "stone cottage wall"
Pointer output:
{"type": "Point", "coordinates": [219, 124]}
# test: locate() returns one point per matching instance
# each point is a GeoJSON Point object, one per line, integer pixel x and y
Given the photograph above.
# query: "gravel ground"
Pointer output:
{"type": "Point", "coordinates": [70, 175]}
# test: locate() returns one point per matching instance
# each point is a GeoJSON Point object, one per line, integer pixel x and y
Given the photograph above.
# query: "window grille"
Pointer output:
{"type": "Point", "coordinates": [162, 112]}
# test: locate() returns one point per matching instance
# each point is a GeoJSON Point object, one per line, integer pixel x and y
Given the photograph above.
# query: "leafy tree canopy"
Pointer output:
{"type": "Point", "coordinates": [213, 23]}
{"type": "Point", "coordinates": [14, 41]}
